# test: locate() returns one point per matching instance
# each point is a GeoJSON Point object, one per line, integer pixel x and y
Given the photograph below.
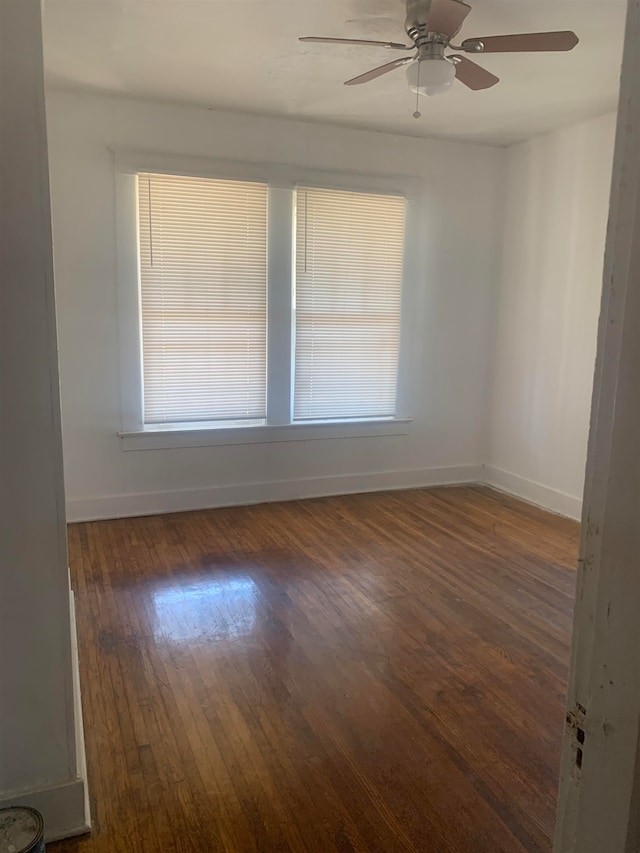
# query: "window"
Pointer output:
{"type": "Point", "coordinates": [349, 249]}
{"type": "Point", "coordinates": [203, 295]}
{"type": "Point", "coordinates": [260, 305]}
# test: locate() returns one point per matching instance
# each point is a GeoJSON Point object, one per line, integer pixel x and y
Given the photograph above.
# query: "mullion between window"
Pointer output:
{"type": "Point", "coordinates": [279, 304]}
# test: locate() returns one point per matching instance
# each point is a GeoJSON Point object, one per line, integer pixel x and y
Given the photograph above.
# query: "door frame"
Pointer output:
{"type": "Point", "coordinates": [599, 797]}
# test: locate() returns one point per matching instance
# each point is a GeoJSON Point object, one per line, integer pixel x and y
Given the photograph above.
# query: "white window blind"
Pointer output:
{"type": "Point", "coordinates": [349, 259]}
{"type": "Point", "coordinates": [203, 281]}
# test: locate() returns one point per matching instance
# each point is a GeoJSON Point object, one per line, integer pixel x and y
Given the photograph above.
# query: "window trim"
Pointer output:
{"type": "Point", "coordinates": [179, 436]}
{"type": "Point", "coordinates": [282, 181]}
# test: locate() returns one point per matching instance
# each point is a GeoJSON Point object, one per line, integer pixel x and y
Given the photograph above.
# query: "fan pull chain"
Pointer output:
{"type": "Point", "coordinates": [417, 113]}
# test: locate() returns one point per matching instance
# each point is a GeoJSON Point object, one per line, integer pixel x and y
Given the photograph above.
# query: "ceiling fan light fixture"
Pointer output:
{"type": "Point", "coordinates": [431, 76]}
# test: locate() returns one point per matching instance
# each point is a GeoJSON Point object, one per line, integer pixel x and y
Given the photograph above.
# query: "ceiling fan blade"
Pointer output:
{"type": "Point", "coordinates": [523, 42]}
{"type": "Point", "coordinates": [447, 16]}
{"type": "Point", "coordinates": [379, 71]}
{"type": "Point", "coordinates": [473, 76]}
{"type": "Point", "coordinates": [390, 45]}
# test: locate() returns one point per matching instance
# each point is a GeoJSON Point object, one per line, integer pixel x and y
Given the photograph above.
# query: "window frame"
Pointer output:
{"type": "Point", "coordinates": [279, 424]}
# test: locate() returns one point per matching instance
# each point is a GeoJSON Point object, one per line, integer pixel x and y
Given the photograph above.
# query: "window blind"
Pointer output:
{"type": "Point", "coordinates": [203, 283]}
{"type": "Point", "coordinates": [349, 259]}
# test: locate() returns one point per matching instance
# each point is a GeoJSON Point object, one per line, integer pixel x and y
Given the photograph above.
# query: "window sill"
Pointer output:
{"type": "Point", "coordinates": [163, 438]}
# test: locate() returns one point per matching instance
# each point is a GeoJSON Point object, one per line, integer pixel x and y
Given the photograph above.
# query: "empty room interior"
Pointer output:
{"type": "Point", "coordinates": [309, 504]}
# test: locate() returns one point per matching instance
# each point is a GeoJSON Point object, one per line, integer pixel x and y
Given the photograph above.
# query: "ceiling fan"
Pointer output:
{"type": "Point", "coordinates": [431, 25]}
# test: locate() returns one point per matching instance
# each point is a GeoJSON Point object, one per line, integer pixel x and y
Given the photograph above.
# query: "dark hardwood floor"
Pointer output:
{"type": "Point", "coordinates": [365, 673]}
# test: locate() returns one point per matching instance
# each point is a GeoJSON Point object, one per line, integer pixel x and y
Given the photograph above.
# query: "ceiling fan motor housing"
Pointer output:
{"type": "Point", "coordinates": [417, 16]}
{"type": "Point", "coordinates": [429, 42]}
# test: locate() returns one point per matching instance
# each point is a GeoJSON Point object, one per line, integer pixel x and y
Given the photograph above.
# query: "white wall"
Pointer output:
{"type": "Point", "coordinates": [557, 200]}
{"type": "Point", "coordinates": [40, 739]}
{"type": "Point", "coordinates": [460, 188]}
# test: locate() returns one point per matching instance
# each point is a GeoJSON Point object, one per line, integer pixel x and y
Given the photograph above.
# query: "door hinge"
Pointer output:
{"type": "Point", "coordinates": [576, 725]}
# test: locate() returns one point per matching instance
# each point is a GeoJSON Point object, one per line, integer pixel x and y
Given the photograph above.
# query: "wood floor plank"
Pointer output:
{"type": "Point", "coordinates": [378, 673]}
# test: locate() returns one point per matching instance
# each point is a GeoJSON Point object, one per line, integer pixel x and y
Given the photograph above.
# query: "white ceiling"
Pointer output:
{"type": "Point", "coordinates": [244, 55]}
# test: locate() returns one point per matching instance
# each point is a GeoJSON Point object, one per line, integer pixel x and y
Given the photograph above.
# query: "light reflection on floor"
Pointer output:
{"type": "Point", "coordinates": [207, 610]}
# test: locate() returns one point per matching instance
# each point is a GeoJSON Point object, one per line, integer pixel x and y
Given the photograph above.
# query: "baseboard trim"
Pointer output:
{"type": "Point", "coordinates": [62, 807]}
{"type": "Point", "coordinates": [533, 492]}
{"type": "Point", "coordinates": [81, 754]}
{"type": "Point", "coordinates": [156, 503]}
